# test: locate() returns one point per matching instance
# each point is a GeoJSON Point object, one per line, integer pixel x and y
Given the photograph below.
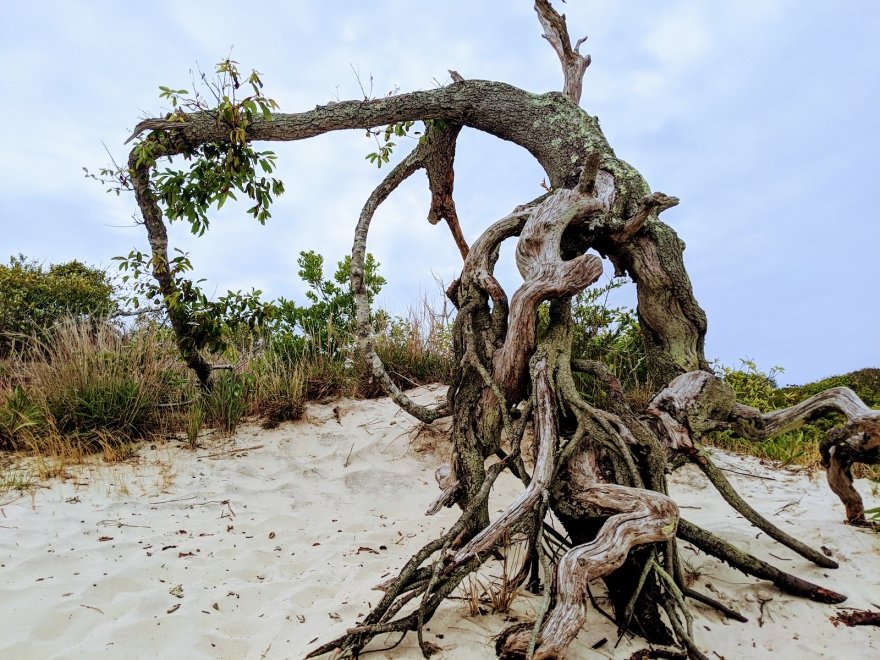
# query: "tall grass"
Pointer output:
{"type": "Point", "coordinates": [88, 387]}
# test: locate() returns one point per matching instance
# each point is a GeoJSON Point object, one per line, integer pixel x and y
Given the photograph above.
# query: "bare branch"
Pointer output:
{"type": "Point", "coordinates": [574, 65]}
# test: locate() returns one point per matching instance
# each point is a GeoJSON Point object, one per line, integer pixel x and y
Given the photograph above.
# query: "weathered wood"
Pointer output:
{"type": "Point", "coordinates": [545, 275]}
{"type": "Point", "coordinates": [574, 65]}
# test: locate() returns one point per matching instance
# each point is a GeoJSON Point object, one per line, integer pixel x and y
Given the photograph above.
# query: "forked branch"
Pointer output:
{"type": "Point", "coordinates": [574, 65]}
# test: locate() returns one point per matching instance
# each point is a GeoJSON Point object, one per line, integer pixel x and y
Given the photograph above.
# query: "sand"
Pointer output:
{"type": "Point", "coordinates": [270, 549]}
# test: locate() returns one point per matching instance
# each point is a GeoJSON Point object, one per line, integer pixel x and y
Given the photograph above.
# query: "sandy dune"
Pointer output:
{"type": "Point", "coordinates": [269, 551]}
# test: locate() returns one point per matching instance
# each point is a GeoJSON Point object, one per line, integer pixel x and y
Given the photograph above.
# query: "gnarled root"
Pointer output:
{"type": "Point", "coordinates": [641, 517]}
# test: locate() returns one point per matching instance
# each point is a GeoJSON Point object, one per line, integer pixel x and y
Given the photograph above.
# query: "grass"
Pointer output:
{"type": "Point", "coordinates": [92, 388]}
{"type": "Point", "coordinates": [87, 388]}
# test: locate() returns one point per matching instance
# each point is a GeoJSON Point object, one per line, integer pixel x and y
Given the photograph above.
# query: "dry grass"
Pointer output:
{"type": "Point", "coordinates": [482, 593]}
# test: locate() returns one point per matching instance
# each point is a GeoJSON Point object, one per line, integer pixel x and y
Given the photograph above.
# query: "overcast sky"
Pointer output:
{"type": "Point", "coordinates": [760, 115]}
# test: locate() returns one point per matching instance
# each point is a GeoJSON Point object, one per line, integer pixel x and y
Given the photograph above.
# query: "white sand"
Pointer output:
{"type": "Point", "coordinates": [270, 552]}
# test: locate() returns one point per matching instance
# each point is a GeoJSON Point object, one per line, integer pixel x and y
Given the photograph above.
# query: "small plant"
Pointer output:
{"type": "Point", "coordinates": [19, 417]}
{"type": "Point", "coordinates": [279, 390]}
{"type": "Point", "coordinates": [497, 592]}
{"type": "Point", "coordinates": [16, 478]}
{"type": "Point", "coordinates": [194, 420]}
{"type": "Point", "coordinates": [227, 402]}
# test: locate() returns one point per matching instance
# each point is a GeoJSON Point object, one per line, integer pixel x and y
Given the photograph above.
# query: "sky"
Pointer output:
{"type": "Point", "coordinates": [760, 115]}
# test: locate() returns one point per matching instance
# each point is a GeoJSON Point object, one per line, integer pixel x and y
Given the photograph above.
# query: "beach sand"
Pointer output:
{"type": "Point", "coordinates": [269, 544]}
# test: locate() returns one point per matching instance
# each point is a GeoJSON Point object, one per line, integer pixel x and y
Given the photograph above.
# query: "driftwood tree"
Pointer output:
{"type": "Point", "coordinates": [601, 471]}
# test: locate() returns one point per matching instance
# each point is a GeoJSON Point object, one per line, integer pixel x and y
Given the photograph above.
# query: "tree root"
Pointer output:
{"type": "Point", "coordinates": [750, 565]}
{"type": "Point", "coordinates": [723, 486]}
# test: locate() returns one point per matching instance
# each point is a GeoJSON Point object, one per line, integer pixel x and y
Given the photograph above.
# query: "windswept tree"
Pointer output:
{"type": "Point", "coordinates": [600, 470]}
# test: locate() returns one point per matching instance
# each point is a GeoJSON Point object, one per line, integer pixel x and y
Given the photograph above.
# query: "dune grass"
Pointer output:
{"type": "Point", "coordinates": [91, 387]}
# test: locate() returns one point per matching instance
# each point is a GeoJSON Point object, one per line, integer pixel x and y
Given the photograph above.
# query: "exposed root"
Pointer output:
{"type": "Point", "coordinates": [723, 486]}
{"type": "Point", "coordinates": [742, 561]}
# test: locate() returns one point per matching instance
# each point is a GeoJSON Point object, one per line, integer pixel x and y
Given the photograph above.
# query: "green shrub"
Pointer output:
{"type": "Point", "coordinates": [34, 300]}
{"type": "Point", "coordinates": [326, 325]}
{"type": "Point", "coordinates": [279, 389]}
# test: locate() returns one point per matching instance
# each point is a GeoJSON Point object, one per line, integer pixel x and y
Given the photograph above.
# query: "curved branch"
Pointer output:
{"type": "Point", "coordinates": [639, 517]}
{"type": "Point", "coordinates": [546, 275]}
{"type": "Point", "coordinates": [366, 343]}
{"type": "Point", "coordinates": [753, 424]}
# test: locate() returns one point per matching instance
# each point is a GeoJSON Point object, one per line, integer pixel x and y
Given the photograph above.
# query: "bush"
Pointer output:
{"type": "Point", "coordinates": [87, 388]}
{"type": "Point", "coordinates": [33, 300]}
{"type": "Point", "coordinates": [326, 325]}
{"type": "Point", "coordinates": [279, 394]}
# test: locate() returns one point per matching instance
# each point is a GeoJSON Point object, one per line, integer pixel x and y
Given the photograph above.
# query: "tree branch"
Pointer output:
{"type": "Point", "coordinates": [574, 65]}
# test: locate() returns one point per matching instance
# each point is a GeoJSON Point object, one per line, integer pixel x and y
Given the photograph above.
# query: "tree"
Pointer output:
{"type": "Point", "coordinates": [600, 470]}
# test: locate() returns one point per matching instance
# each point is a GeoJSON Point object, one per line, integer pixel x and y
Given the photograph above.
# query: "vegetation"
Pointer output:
{"type": "Point", "coordinates": [80, 384]}
{"type": "Point", "coordinates": [34, 299]}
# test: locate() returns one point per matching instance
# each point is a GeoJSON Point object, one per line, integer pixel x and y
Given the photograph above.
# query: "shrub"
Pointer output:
{"type": "Point", "coordinates": [227, 402]}
{"type": "Point", "coordinates": [33, 300]}
{"type": "Point", "coordinates": [327, 324]}
{"type": "Point", "coordinates": [279, 394]}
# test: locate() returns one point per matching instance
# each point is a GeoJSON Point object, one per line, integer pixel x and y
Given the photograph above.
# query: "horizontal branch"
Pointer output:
{"type": "Point", "coordinates": [499, 109]}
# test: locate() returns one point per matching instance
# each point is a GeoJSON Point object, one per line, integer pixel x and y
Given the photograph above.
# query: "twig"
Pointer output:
{"type": "Point", "coordinates": [228, 452]}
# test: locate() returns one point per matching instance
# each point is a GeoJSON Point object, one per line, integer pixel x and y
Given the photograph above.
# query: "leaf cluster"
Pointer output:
{"type": "Point", "coordinates": [399, 129]}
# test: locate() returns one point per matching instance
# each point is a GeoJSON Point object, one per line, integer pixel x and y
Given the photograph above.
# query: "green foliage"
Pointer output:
{"type": "Point", "coordinates": [218, 169]}
{"type": "Point", "coordinates": [280, 389]}
{"type": "Point", "coordinates": [34, 299]}
{"type": "Point", "coordinates": [606, 334]}
{"type": "Point", "coordinates": [227, 402]}
{"type": "Point", "coordinates": [754, 387]}
{"type": "Point", "coordinates": [20, 416]}
{"type": "Point", "coordinates": [327, 324]}
{"type": "Point", "coordinates": [210, 321]}
{"type": "Point", "coordinates": [217, 172]}
{"type": "Point", "coordinates": [414, 350]}
{"type": "Point", "coordinates": [400, 129]}
{"type": "Point", "coordinates": [195, 419]}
